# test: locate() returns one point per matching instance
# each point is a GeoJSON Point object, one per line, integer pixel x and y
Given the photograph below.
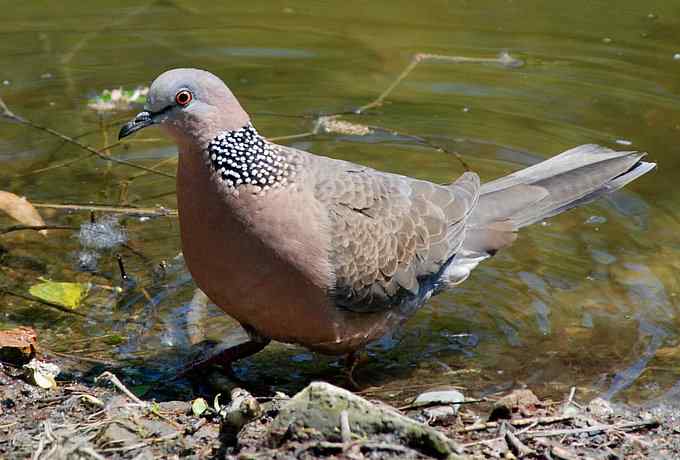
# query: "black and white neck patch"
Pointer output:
{"type": "Point", "coordinates": [244, 157]}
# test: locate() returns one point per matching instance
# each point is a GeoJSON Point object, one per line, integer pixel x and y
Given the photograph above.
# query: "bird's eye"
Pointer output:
{"type": "Point", "coordinates": [183, 97]}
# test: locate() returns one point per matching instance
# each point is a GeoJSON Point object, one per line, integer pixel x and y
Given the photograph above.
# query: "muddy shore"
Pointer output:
{"type": "Point", "coordinates": [84, 419]}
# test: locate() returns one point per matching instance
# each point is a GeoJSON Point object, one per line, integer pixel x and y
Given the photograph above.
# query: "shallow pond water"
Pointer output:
{"type": "Point", "coordinates": [590, 298]}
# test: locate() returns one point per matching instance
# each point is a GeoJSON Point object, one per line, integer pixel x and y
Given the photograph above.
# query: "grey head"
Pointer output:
{"type": "Point", "coordinates": [191, 105]}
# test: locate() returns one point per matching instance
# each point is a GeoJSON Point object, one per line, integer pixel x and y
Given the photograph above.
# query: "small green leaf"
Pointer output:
{"type": "Point", "coordinates": [155, 408]}
{"type": "Point", "coordinates": [114, 339]}
{"type": "Point", "coordinates": [199, 406]}
{"type": "Point", "coordinates": [66, 294]}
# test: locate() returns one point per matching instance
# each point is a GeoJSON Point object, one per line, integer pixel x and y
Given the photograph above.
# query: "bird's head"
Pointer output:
{"type": "Point", "coordinates": [191, 105]}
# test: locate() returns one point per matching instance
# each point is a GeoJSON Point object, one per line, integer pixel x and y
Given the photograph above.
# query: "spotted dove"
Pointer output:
{"type": "Point", "coordinates": [329, 254]}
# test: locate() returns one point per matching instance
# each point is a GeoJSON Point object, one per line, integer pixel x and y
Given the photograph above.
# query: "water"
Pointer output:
{"type": "Point", "coordinates": [590, 299]}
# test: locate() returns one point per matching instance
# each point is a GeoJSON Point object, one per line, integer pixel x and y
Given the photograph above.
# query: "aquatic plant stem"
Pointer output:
{"type": "Point", "coordinates": [504, 59]}
{"type": "Point", "coordinates": [7, 113]}
{"type": "Point", "coordinates": [152, 212]}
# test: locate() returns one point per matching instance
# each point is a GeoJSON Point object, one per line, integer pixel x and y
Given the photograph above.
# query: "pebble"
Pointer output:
{"type": "Point", "coordinates": [440, 397]}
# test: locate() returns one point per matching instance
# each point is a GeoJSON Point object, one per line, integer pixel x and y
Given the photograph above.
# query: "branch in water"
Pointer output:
{"type": "Point", "coordinates": [7, 113]}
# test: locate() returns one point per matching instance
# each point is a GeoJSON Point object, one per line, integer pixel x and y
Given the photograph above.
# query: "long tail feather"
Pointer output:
{"type": "Point", "coordinates": [570, 179]}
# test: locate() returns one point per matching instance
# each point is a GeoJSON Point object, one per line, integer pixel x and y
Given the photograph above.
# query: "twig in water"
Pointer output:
{"type": "Point", "coordinates": [108, 376]}
{"type": "Point", "coordinates": [81, 358]}
{"type": "Point", "coordinates": [36, 228]}
{"type": "Point", "coordinates": [294, 136]}
{"type": "Point", "coordinates": [503, 59]}
{"type": "Point", "coordinates": [7, 113]}
{"type": "Point", "coordinates": [157, 211]}
{"type": "Point", "coordinates": [55, 166]}
{"type": "Point", "coordinates": [160, 163]}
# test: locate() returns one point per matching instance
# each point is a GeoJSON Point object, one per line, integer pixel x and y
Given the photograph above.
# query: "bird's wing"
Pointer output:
{"type": "Point", "coordinates": [390, 233]}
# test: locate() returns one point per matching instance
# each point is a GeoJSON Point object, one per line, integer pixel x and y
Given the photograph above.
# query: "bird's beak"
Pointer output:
{"type": "Point", "coordinates": [142, 120]}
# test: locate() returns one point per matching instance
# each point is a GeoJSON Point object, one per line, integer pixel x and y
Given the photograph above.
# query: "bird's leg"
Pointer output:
{"type": "Point", "coordinates": [225, 358]}
{"type": "Point", "coordinates": [351, 362]}
{"type": "Point", "coordinates": [230, 352]}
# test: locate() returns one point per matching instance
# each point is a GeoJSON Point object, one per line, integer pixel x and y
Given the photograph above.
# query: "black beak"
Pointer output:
{"type": "Point", "coordinates": [142, 120]}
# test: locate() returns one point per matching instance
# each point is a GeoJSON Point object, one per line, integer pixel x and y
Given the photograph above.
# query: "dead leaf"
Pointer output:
{"type": "Point", "coordinates": [18, 345]}
{"type": "Point", "coordinates": [67, 294]}
{"type": "Point", "coordinates": [21, 210]}
{"type": "Point", "coordinates": [41, 373]}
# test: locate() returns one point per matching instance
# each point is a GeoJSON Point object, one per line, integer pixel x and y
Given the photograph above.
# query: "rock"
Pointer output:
{"type": "Point", "coordinates": [439, 398]}
{"type": "Point", "coordinates": [438, 406]}
{"type": "Point", "coordinates": [242, 409]}
{"type": "Point", "coordinates": [315, 413]}
{"type": "Point", "coordinates": [600, 408]}
{"type": "Point", "coordinates": [175, 407]}
{"type": "Point", "coordinates": [133, 423]}
{"type": "Point", "coordinates": [274, 405]}
{"type": "Point", "coordinates": [522, 401]}
{"type": "Point", "coordinates": [440, 415]}
{"type": "Point", "coordinates": [120, 435]}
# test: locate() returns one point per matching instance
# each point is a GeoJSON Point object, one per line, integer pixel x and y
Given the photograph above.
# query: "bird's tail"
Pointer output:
{"type": "Point", "coordinates": [570, 179]}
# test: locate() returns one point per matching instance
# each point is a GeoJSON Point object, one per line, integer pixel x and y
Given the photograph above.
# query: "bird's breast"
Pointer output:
{"type": "Point", "coordinates": [264, 260]}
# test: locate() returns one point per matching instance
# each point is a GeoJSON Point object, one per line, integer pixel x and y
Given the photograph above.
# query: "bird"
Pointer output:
{"type": "Point", "coordinates": [332, 255]}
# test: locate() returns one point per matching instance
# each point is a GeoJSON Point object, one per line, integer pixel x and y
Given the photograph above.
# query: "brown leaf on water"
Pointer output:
{"type": "Point", "coordinates": [21, 210]}
{"type": "Point", "coordinates": [18, 345]}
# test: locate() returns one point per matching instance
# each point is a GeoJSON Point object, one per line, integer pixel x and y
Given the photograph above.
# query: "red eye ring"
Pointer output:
{"type": "Point", "coordinates": [183, 97]}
